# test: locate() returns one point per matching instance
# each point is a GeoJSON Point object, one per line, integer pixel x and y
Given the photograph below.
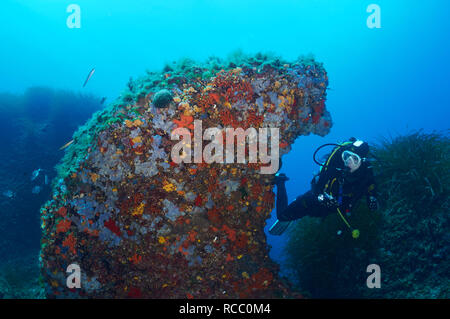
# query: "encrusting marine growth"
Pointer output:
{"type": "Point", "coordinates": [140, 225]}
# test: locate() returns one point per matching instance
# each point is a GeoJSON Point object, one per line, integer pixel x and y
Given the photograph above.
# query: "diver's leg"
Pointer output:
{"type": "Point", "coordinates": [279, 227]}
{"type": "Point", "coordinates": [300, 207]}
{"type": "Point", "coordinates": [282, 199]}
{"type": "Point", "coordinates": [304, 205]}
{"type": "Point", "coordinates": [315, 208]}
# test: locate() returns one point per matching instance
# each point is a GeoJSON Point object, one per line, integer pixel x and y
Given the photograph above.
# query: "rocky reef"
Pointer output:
{"type": "Point", "coordinates": [141, 225]}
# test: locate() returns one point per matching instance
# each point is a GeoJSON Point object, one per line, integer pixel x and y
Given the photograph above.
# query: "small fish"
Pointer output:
{"type": "Point", "coordinates": [103, 100]}
{"type": "Point", "coordinates": [35, 174]}
{"type": "Point", "coordinates": [89, 76]}
{"type": "Point", "coordinates": [36, 189]}
{"type": "Point", "coordinates": [66, 145]}
{"type": "Point", "coordinates": [46, 180]}
{"type": "Point", "coordinates": [45, 127]}
{"type": "Point", "coordinates": [9, 194]}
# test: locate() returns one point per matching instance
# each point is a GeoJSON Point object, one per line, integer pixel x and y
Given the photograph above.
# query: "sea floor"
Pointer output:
{"type": "Point", "coordinates": [19, 278]}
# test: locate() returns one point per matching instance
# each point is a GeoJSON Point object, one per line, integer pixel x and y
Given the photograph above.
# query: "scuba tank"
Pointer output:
{"type": "Point", "coordinates": [332, 160]}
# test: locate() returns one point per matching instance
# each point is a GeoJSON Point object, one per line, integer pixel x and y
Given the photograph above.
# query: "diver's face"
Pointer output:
{"type": "Point", "coordinates": [351, 160]}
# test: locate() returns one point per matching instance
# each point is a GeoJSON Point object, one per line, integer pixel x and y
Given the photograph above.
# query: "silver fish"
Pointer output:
{"type": "Point", "coordinates": [89, 76]}
{"type": "Point", "coordinates": [35, 174]}
{"type": "Point", "coordinates": [9, 194]}
{"type": "Point", "coordinates": [36, 189]}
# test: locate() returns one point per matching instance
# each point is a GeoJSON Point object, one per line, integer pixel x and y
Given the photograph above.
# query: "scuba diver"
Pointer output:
{"type": "Point", "coordinates": [343, 179]}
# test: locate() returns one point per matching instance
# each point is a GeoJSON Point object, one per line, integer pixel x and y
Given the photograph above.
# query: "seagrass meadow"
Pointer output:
{"type": "Point", "coordinates": [408, 237]}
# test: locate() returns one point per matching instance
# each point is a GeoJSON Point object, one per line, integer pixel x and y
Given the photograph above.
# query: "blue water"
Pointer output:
{"type": "Point", "coordinates": [382, 81]}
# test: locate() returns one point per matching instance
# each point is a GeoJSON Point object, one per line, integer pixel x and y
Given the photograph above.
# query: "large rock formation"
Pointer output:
{"type": "Point", "coordinates": [141, 225]}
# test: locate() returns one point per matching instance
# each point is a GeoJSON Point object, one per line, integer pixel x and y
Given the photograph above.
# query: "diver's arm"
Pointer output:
{"type": "Point", "coordinates": [371, 188]}
{"type": "Point", "coordinates": [371, 195]}
{"type": "Point", "coordinates": [324, 177]}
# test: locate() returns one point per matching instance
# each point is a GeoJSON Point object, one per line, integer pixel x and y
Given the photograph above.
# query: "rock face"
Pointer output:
{"type": "Point", "coordinates": [139, 224]}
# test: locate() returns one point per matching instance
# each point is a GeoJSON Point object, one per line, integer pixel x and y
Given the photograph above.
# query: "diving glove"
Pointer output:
{"type": "Point", "coordinates": [372, 203]}
{"type": "Point", "coordinates": [327, 200]}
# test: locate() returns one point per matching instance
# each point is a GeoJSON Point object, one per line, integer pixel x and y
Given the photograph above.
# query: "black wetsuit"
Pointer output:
{"type": "Point", "coordinates": [347, 188]}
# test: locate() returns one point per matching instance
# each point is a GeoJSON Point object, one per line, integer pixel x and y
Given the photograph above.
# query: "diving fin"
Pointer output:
{"type": "Point", "coordinates": [279, 227]}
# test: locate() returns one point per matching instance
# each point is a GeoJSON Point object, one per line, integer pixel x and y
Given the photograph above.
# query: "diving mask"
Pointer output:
{"type": "Point", "coordinates": [351, 160]}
